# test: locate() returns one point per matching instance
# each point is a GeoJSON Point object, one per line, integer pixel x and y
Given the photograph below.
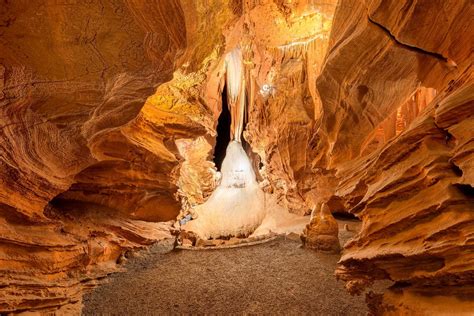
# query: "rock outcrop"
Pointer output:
{"type": "Point", "coordinates": [414, 191]}
{"type": "Point", "coordinates": [321, 234]}
{"type": "Point", "coordinates": [87, 153]}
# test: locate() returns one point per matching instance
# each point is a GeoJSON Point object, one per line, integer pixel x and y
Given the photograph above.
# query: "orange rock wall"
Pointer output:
{"type": "Point", "coordinates": [84, 157]}
{"type": "Point", "coordinates": [413, 192]}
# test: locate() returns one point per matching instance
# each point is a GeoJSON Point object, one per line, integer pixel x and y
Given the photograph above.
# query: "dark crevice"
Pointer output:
{"type": "Point", "coordinates": [466, 189]}
{"type": "Point", "coordinates": [449, 139]}
{"type": "Point", "coordinates": [344, 216]}
{"type": "Point", "coordinates": [457, 170]}
{"type": "Point", "coordinates": [223, 132]}
{"type": "Point", "coordinates": [407, 46]}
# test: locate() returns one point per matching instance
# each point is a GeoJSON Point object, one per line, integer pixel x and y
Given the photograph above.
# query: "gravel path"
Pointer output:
{"type": "Point", "coordinates": [277, 277]}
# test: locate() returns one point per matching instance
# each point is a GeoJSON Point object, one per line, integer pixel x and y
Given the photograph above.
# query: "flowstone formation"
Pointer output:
{"type": "Point", "coordinates": [237, 206]}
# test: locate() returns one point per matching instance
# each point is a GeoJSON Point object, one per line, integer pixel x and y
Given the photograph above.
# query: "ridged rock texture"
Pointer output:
{"type": "Point", "coordinates": [108, 118]}
{"type": "Point", "coordinates": [86, 162]}
{"type": "Point", "coordinates": [414, 192]}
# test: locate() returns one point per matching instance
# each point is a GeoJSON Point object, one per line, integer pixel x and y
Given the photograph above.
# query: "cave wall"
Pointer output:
{"type": "Point", "coordinates": [413, 192]}
{"type": "Point", "coordinates": [87, 151]}
{"type": "Point", "coordinates": [286, 45]}
{"type": "Point", "coordinates": [69, 84]}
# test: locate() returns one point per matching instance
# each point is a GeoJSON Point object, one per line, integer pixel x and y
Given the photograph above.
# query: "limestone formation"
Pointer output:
{"type": "Point", "coordinates": [321, 234]}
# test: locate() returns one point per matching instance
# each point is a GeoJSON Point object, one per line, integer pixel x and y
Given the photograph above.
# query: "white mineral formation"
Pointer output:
{"type": "Point", "coordinates": [235, 92]}
{"type": "Point", "coordinates": [237, 206]}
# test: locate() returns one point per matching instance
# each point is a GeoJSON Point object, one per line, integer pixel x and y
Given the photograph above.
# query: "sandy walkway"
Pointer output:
{"type": "Point", "coordinates": [277, 277]}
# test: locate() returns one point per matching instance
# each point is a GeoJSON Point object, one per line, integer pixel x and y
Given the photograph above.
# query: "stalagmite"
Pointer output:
{"type": "Point", "coordinates": [237, 206]}
{"type": "Point", "coordinates": [321, 233]}
{"type": "Point", "coordinates": [235, 92]}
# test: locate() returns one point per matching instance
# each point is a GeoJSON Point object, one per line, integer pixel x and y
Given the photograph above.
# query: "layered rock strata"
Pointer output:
{"type": "Point", "coordinates": [413, 192]}
{"type": "Point", "coordinates": [86, 155]}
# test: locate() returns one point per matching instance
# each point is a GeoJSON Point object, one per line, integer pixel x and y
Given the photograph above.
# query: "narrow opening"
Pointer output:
{"type": "Point", "coordinates": [223, 132]}
{"type": "Point", "coordinates": [344, 216]}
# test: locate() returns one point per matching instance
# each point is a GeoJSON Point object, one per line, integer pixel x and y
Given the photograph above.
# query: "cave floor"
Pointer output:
{"type": "Point", "coordinates": [277, 277]}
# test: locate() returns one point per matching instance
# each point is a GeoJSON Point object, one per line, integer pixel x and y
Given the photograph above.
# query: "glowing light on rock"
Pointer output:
{"type": "Point", "coordinates": [235, 91]}
{"type": "Point", "coordinates": [267, 89]}
{"type": "Point", "coordinates": [234, 74]}
{"type": "Point", "coordinates": [304, 44]}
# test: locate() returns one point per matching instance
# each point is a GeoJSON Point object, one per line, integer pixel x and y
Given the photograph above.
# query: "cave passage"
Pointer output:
{"type": "Point", "coordinates": [223, 132]}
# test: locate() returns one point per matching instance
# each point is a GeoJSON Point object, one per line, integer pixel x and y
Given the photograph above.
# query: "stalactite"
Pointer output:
{"type": "Point", "coordinates": [235, 92]}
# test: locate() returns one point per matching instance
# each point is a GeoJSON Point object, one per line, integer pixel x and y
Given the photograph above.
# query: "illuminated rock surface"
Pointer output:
{"type": "Point", "coordinates": [413, 192]}
{"type": "Point", "coordinates": [237, 205]}
{"type": "Point", "coordinates": [108, 124]}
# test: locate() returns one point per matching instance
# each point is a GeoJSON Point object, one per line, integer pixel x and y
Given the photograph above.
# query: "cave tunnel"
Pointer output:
{"type": "Point", "coordinates": [223, 132]}
{"type": "Point", "coordinates": [110, 203]}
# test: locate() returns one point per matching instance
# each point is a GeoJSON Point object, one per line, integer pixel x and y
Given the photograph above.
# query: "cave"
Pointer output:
{"type": "Point", "coordinates": [223, 131]}
{"type": "Point", "coordinates": [236, 157]}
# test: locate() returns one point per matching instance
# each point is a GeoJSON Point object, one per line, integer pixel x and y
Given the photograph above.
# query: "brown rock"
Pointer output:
{"type": "Point", "coordinates": [409, 189]}
{"type": "Point", "coordinates": [206, 243]}
{"type": "Point", "coordinates": [234, 241]}
{"type": "Point", "coordinates": [187, 243]}
{"type": "Point", "coordinates": [293, 236]}
{"type": "Point", "coordinates": [321, 233]}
